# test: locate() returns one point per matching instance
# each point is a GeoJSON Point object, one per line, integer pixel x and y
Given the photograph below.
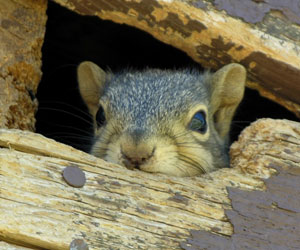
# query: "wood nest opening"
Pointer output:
{"type": "Point", "coordinates": [247, 205]}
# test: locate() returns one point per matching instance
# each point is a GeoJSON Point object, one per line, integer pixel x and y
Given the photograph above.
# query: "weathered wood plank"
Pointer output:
{"type": "Point", "coordinates": [268, 219]}
{"type": "Point", "coordinates": [120, 208]}
{"type": "Point", "coordinates": [7, 246]}
{"type": "Point", "coordinates": [117, 208]}
{"type": "Point", "coordinates": [263, 36]}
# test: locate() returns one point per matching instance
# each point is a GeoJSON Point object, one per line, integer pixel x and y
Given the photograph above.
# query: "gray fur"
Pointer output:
{"type": "Point", "coordinates": [148, 115]}
{"type": "Point", "coordinates": [142, 98]}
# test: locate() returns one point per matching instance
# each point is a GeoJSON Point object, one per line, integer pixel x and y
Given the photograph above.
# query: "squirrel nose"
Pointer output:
{"type": "Point", "coordinates": [135, 157]}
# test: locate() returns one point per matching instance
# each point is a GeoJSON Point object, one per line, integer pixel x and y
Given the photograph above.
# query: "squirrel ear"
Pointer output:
{"type": "Point", "coordinates": [91, 79]}
{"type": "Point", "coordinates": [228, 85]}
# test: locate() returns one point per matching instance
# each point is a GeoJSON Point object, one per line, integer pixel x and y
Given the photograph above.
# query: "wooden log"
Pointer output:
{"type": "Point", "coordinates": [259, 218]}
{"type": "Point", "coordinates": [8, 246]}
{"type": "Point", "coordinates": [120, 209]}
{"type": "Point", "coordinates": [22, 29]}
{"type": "Point", "coordinates": [261, 35]}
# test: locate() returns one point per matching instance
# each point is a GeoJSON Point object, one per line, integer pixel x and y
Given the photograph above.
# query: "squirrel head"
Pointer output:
{"type": "Point", "coordinates": [174, 122]}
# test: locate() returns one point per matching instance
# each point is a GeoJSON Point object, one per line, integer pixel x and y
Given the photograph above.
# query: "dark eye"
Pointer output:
{"type": "Point", "coordinates": [100, 117]}
{"type": "Point", "coordinates": [198, 123]}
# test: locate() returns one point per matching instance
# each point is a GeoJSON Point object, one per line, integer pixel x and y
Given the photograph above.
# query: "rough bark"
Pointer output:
{"type": "Point", "coordinates": [262, 35]}
{"type": "Point", "coordinates": [22, 28]}
{"type": "Point", "coordinates": [121, 209]}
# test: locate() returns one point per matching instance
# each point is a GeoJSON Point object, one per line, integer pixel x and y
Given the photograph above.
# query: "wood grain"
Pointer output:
{"type": "Point", "coordinates": [268, 219]}
{"type": "Point", "coordinates": [117, 208]}
{"type": "Point", "coordinates": [215, 34]}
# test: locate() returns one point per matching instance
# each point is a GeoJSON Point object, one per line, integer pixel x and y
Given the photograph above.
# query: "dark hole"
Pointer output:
{"type": "Point", "coordinates": [71, 38]}
{"type": "Point", "coordinates": [254, 107]}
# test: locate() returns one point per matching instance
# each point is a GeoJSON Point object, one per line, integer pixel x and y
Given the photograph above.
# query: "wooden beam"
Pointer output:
{"type": "Point", "coordinates": [119, 208]}
{"type": "Point", "coordinates": [263, 36]}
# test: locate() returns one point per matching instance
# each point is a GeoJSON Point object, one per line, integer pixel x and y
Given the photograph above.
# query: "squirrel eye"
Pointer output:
{"type": "Point", "coordinates": [100, 117]}
{"type": "Point", "coordinates": [198, 122]}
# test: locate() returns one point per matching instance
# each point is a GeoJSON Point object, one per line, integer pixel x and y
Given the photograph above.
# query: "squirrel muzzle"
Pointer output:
{"type": "Point", "coordinates": [136, 151]}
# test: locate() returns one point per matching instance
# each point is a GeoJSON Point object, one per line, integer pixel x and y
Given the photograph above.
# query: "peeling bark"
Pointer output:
{"type": "Point", "coordinates": [259, 218]}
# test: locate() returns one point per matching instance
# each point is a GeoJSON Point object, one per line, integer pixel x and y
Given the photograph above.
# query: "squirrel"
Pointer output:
{"type": "Point", "coordinates": [174, 122]}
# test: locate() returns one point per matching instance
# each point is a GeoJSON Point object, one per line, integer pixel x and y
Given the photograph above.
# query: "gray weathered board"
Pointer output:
{"type": "Point", "coordinates": [122, 209]}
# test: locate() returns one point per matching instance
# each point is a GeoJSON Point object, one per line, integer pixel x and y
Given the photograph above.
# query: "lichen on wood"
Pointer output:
{"type": "Point", "coordinates": [22, 28]}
